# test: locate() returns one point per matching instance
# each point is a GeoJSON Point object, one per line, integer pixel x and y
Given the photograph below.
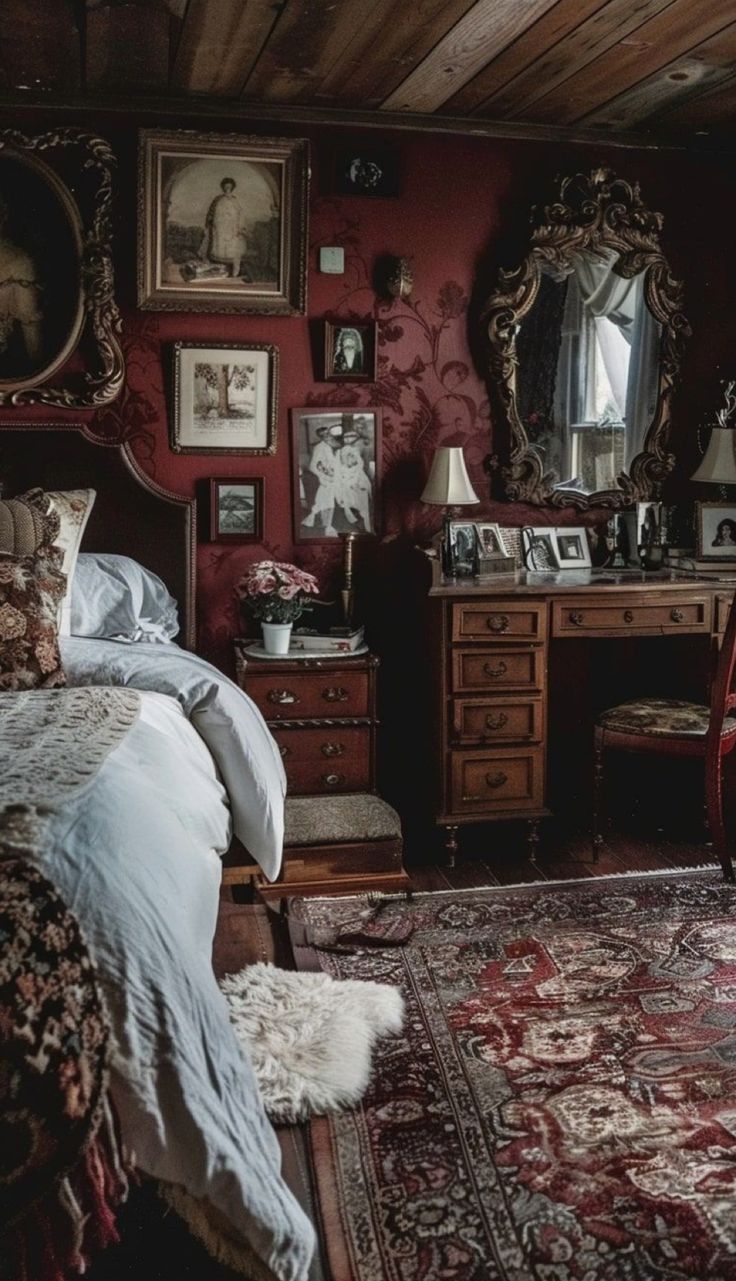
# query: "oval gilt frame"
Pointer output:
{"type": "Point", "coordinates": [77, 168]}
{"type": "Point", "coordinates": [595, 211]}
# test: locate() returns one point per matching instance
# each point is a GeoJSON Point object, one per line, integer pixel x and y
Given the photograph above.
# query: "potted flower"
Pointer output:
{"type": "Point", "coordinates": [275, 593]}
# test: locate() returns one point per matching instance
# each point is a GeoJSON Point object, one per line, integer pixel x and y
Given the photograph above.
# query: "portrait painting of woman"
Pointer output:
{"type": "Point", "coordinates": [715, 525]}
{"type": "Point", "coordinates": [350, 351]}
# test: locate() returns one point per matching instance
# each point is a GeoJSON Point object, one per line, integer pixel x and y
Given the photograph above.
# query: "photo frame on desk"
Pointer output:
{"type": "Point", "coordinates": [539, 548]}
{"type": "Point", "coordinates": [573, 548]}
{"type": "Point", "coordinates": [715, 531]}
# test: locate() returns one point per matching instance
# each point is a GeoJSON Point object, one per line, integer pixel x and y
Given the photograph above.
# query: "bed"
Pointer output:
{"type": "Point", "coordinates": [169, 758]}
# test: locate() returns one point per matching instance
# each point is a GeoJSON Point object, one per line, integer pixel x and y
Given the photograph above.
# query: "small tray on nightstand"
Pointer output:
{"type": "Point", "coordinates": [257, 651]}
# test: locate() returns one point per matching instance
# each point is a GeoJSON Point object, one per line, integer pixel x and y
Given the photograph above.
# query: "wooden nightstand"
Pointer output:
{"type": "Point", "coordinates": [322, 713]}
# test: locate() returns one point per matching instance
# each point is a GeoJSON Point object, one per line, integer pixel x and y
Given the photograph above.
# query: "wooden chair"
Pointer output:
{"type": "Point", "coordinates": [676, 728]}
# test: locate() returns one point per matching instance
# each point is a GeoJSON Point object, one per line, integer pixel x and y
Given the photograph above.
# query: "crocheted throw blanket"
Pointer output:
{"type": "Point", "coordinates": [62, 1171]}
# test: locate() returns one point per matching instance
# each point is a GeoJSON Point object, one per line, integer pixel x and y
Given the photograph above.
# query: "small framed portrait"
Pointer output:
{"type": "Point", "coordinates": [539, 548]}
{"type": "Point", "coordinates": [362, 170]}
{"type": "Point", "coordinates": [336, 457]}
{"type": "Point", "coordinates": [715, 531]}
{"type": "Point", "coordinates": [490, 539]}
{"type": "Point", "coordinates": [572, 548]}
{"type": "Point", "coordinates": [224, 399]}
{"type": "Point", "coordinates": [222, 222]}
{"type": "Point", "coordinates": [350, 351]}
{"type": "Point", "coordinates": [464, 548]}
{"type": "Point", "coordinates": [236, 509]}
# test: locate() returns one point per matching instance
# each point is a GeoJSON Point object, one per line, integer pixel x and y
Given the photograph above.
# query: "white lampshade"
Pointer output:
{"type": "Point", "coordinates": [718, 463]}
{"type": "Point", "coordinates": [448, 483]}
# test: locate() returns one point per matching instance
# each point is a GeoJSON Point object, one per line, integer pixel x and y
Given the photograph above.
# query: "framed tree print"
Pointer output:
{"type": "Point", "coordinates": [224, 398]}
{"type": "Point", "coordinates": [222, 222]}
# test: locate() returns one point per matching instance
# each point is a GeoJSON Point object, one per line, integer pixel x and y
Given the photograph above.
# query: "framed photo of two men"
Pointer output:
{"type": "Point", "coordinates": [335, 466]}
{"type": "Point", "coordinates": [222, 222]}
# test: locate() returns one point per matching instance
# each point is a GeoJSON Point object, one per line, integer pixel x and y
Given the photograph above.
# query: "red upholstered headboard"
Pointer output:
{"type": "Point", "coordinates": [132, 515]}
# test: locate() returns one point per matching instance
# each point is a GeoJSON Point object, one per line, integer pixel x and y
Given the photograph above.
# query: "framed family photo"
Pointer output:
{"type": "Point", "coordinates": [224, 398]}
{"type": "Point", "coordinates": [464, 547]}
{"type": "Point", "coordinates": [236, 510]}
{"type": "Point", "coordinates": [539, 548]}
{"type": "Point", "coordinates": [222, 222]}
{"type": "Point", "coordinates": [490, 539]}
{"type": "Point", "coordinates": [350, 351]}
{"type": "Point", "coordinates": [573, 548]}
{"type": "Point", "coordinates": [715, 531]}
{"type": "Point", "coordinates": [336, 464]}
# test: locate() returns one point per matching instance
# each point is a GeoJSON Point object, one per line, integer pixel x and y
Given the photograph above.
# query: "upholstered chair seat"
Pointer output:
{"type": "Point", "coordinates": [662, 717]}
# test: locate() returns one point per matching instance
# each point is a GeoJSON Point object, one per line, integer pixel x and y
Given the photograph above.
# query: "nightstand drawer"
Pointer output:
{"type": "Point", "coordinates": [330, 759]}
{"type": "Point", "coordinates": [476, 720]}
{"type": "Point", "coordinates": [474, 670]}
{"type": "Point", "coordinates": [517, 620]}
{"type": "Point", "coordinates": [298, 695]}
{"type": "Point", "coordinates": [510, 780]}
{"type": "Point", "coordinates": [631, 616]}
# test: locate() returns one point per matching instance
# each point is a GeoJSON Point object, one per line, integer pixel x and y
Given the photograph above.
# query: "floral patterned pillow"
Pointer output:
{"type": "Point", "coordinates": [31, 590]}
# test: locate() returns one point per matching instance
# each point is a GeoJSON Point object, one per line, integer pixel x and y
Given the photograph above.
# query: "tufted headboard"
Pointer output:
{"type": "Point", "coordinates": [132, 515]}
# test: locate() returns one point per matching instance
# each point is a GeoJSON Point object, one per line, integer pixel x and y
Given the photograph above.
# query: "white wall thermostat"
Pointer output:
{"type": "Point", "coordinates": [332, 259]}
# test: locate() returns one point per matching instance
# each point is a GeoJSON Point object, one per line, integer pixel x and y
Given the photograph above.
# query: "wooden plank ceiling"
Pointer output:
{"type": "Point", "coordinates": [650, 67]}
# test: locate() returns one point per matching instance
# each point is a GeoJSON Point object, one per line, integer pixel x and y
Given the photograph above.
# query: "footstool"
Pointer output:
{"type": "Point", "coordinates": [348, 844]}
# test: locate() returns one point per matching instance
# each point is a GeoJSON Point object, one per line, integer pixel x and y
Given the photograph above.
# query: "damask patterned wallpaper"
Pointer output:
{"type": "Point", "coordinates": [462, 211]}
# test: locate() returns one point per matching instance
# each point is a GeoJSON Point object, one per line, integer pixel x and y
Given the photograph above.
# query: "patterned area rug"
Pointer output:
{"type": "Point", "coordinates": [561, 1105]}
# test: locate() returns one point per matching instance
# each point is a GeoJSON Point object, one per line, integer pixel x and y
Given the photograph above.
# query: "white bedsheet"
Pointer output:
{"type": "Point", "coordinates": [228, 721]}
{"type": "Point", "coordinates": [142, 877]}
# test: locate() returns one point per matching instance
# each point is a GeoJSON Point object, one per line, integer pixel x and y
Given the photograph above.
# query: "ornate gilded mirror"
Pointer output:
{"type": "Point", "coordinates": [586, 339]}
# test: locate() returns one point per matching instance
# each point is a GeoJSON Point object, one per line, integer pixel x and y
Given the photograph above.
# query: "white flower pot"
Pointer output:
{"type": "Point", "coordinates": [276, 637]}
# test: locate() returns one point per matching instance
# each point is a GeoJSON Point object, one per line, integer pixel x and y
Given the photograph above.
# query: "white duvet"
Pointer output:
{"type": "Point", "coordinates": [142, 876]}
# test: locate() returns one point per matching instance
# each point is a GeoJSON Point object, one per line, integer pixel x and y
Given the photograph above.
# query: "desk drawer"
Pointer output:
{"type": "Point", "coordinates": [298, 695]}
{"type": "Point", "coordinates": [632, 616]}
{"type": "Point", "coordinates": [327, 759]}
{"type": "Point", "coordinates": [485, 720]}
{"type": "Point", "coordinates": [510, 780]}
{"type": "Point", "coordinates": [515, 620]}
{"type": "Point", "coordinates": [474, 669]}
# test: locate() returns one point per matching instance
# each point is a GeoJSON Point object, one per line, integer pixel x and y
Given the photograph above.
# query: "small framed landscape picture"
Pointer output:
{"type": "Point", "coordinates": [715, 531]}
{"type": "Point", "coordinates": [224, 399]}
{"type": "Point", "coordinates": [539, 548]}
{"type": "Point", "coordinates": [573, 548]}
{"type": "Point", "coordinates": [350, 351]}
{"type": "Point", "coordinates": [336, 457]}
{"type": "Point", "coordinates": [463, 547]}
{"type": "Point", "coordinates": [236, 509]}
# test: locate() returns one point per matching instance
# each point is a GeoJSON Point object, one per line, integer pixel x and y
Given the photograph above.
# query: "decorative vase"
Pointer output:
{"type": "Point", "coordinates": [276, 637]}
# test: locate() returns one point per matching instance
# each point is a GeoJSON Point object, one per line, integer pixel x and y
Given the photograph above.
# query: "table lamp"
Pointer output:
{"type": "Point", "coordinates": [448, 485]}
{"type": "Point", "coordinates": [718, 464]}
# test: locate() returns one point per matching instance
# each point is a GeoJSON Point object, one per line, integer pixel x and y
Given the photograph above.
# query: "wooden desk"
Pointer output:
{"type": "Point", "coordinates": [490, 663]}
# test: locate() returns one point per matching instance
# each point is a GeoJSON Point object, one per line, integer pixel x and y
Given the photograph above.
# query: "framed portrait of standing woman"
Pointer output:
{"type": "Point", "coordinates": [222, 222]}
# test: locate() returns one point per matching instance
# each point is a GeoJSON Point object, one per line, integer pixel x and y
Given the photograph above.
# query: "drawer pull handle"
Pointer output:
{"type": "Point", "coordinates": [497, 622]}
{"type": "Point", "coordinates": [576, 617]}
{"type": "Point", "coordinates": [282, 696]}
{"type": "Point", "coordinates": [285, 751]}
{"type": "Point", "coordinates": [676, 615]}
{"type": "Point", "coordinates": [495, 671]}
{"type": "Point", "coordinates": [333, 780]}
{"type": "Point", "coordinates": [335, 694]}
{"type": "Point", "coordinates": [496, 722]}
{"type": "Point", "coordinates": [333, 749]}
{"type": "Point", "coordinates": [628, 615]}
{"type": "Point", "coordinates": [497, 780]}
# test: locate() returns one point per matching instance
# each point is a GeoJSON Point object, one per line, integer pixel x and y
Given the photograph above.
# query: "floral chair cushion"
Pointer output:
{"type": "Point", "coordinates": [661, 717]}
{"type": "Point", "coordinates": [31, 589]}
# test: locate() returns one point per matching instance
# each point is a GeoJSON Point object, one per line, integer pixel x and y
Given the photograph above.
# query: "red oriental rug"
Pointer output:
{"type": "Point", "coordinates": [562, 1103]}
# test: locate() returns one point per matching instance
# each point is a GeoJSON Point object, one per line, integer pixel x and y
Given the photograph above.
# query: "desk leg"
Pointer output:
{"type": "Point", "coordinates": [597, 793]}
{"type": "Point", "coordinates": [451, 845]}
{"type": "Point", "coordinates": [532, 840]}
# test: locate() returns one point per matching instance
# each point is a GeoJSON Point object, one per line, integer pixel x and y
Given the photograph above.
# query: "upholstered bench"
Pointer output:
{"type": "Point", "coordinates": [347, 844]}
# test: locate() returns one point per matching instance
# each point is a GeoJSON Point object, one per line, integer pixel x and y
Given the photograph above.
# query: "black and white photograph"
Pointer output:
{"type": "Point", "coordinates": [490, 539]}
{"type": "Point", "coordinates": [224, 399]}
{"type": "Point", "coordinates": [350, 351]}
{"type": "Point", "coordinates": [336, 462]}
{"type": "Point", "coordinates": [715, 528]}
{"type": "Point", "coordinates": [222, 223]}
{"type": "Point", "coordinates": [463, 547]}
{"type": "Point", "coordinates": [361, 170]}
{"type": "Point", "coordinates": [539, 548]}
{"type": "Point", "coordinates": [236, 510]}
{"type": "Point", "coordinates": [573, 548]}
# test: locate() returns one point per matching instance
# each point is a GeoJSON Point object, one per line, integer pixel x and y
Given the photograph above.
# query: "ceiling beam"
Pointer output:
{"type": "Point", "coordinates": [127, 44]}
{"type": "Point", "coordinates": [218, 50]}
{"type": "Point", "coordinates": [40, 46]}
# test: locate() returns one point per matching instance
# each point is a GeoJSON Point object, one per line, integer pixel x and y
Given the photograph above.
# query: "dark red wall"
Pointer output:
{"type": "Point", "coordinates": [463, 209]}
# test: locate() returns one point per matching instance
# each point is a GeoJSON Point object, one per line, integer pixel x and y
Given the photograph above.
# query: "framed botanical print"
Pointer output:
{"type": "Point", "coordinates": [224, 398]}
{"type": "Point", "coordinates": [350, 351]}
{"type": "Point", "coordinates": [236, 509]}
{"type": "Point", "coordinates": [335, 466]}
{"type": "Point", "coordinates": [222, 222]}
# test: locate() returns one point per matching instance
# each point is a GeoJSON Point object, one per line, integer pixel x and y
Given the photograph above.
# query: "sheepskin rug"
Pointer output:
{"type": "Point", "coordinates": [309, 1036]}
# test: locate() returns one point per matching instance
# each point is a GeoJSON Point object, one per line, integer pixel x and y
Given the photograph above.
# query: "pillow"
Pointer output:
{"type": "Point", "coordinates": [31, 591]}
{"type": "Point", "coordinates": [73, 507]}
{"type": "Point", "coordinates": [27, 523]}
{"type": "Point", "coordinates": [115, 597]}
